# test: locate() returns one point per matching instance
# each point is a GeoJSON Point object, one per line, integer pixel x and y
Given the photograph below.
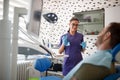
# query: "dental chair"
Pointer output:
{"type": "Point", "coordinates": [116, 57]}
{"type": "Point", "coordinates": [94, 72]}
{"type": "Point", "coordinates": [42, 65]}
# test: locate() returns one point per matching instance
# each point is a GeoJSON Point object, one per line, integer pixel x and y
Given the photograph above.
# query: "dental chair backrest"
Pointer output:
{"type": "Point", "coordinates": [116, 53]}
{"type": "Point", "coordinates": [116, 57]}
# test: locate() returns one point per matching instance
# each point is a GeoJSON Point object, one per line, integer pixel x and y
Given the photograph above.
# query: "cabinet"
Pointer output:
{"type": "Point", "coordinates": [91, 22]}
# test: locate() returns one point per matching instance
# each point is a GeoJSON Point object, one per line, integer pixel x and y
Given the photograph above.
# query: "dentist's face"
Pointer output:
{"type": "Point", "coordinates": [73, 25]}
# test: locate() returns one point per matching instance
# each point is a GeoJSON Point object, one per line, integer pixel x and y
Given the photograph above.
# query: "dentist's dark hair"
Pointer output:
{"type": "Point", "coordinates": [73, 19]}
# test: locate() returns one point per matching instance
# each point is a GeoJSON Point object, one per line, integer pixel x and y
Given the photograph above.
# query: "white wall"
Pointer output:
{"type": "Point", "coordinates": [112, 14]}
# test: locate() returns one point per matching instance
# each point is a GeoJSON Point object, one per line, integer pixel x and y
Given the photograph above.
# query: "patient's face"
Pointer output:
{"type": "Point", "coordinates": [101, 37]}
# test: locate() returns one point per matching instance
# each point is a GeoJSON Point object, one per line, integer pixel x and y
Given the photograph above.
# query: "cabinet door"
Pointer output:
{"type": "Point", "coordinates": [91, 22]}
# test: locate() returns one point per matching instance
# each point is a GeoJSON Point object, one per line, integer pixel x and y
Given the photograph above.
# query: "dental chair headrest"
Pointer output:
{"type": "Point", "coordinates": [116, 53]}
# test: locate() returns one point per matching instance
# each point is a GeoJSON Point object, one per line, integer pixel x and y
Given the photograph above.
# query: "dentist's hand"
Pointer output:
{"type": "Point", "coordinates": [65, 41]}
{"type": "Point", "coordinates": [83, 44]}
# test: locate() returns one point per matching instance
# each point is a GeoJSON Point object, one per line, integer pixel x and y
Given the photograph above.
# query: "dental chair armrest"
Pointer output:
{"type": "Point", "coordinates": [114, 76]}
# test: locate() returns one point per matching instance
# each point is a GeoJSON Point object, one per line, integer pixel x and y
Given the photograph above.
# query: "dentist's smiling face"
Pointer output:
{"type": "Point", "coordinates": [74, 25]}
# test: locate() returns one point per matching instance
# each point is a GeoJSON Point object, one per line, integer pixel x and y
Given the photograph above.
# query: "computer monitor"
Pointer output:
{"type": "Point", "coordinates": [34, 17]}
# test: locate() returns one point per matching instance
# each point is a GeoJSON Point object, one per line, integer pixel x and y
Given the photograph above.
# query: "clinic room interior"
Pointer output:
{"type": "Point", "coordinates": [31, 30]}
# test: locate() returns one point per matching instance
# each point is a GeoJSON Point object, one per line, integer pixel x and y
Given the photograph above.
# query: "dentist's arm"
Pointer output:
{"type": "Point", "coordinates": [61, 49]}
{"type": "Point", "coordinates": [64, 43]}
{"type": "Point", "coordinates": [83, 44]}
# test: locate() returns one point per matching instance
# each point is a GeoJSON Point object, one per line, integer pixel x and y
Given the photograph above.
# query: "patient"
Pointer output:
{"type": "Point", "coordinates": [100, 64]}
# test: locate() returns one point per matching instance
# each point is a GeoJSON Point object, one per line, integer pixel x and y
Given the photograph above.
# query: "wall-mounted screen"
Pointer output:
{"type": "Point", "coordinates": [34, 17]}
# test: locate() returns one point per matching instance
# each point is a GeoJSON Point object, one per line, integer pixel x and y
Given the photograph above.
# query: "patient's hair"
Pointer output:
{"type": "Point", "coordinates": [114, 29]}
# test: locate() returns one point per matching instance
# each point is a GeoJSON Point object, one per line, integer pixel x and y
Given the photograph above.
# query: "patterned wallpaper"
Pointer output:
{"type": "Point", "coordinates": [64, 10]}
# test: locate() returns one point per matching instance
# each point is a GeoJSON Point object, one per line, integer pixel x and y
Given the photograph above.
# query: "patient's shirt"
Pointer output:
{"type": "Point", "coordinates": [101, 57]}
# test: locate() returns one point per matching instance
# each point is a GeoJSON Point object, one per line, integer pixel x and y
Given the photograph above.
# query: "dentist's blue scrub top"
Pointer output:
{"type": "Point", "coordinates": [73, 51]}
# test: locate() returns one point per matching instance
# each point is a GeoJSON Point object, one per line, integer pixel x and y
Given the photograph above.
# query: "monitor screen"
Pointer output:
{"type": "Point", "coordinates": [34, 17]}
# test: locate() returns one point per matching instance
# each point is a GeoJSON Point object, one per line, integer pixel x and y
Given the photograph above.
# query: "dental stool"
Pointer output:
{"type": "Point", "coordinates": [42, 65]}
{"type": "Point", "coordinates": [116, 57]}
